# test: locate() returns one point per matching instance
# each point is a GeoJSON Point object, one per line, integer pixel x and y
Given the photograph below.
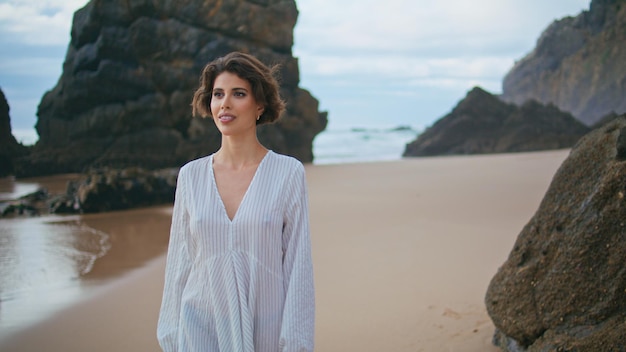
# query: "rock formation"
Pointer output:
{"type": "Point", "coordinates": [99, 191]}
{"type": "Point", "coordinates": [482, 123]}
{"type": "Point", "coordinates": [577, 64]}
{"type": "Point", "coordinates": [116, 189]}
{"type": "Point", "coordinates": [131, 69]}
{"type": "Point", "coordinates": [563, 286]}
{"type": "Point", "coordinates": [10, 148]}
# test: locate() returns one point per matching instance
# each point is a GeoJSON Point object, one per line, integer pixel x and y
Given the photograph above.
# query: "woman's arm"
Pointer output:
{"type": "Point", "coordinates": [176, 269]}
{"type": "Point", "coordinates": [298, 325]}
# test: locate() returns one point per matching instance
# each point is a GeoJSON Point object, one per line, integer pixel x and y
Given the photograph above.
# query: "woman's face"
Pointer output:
{"type": "Point", "coordinates": [233, 107]}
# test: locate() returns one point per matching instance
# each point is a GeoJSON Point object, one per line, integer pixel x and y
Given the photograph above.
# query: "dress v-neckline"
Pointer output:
{"type": "Point", "coordinates": [245, 195]}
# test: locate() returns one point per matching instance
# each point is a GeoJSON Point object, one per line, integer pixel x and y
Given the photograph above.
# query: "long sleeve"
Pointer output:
{"type": "Point", "coordinates": [176, 270]}
{"type": "Point", "coordinates": [298, 324]}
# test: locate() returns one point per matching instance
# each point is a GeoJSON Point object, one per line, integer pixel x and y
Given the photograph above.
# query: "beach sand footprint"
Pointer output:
{"type": "Point", "coordinates": [452, 314]}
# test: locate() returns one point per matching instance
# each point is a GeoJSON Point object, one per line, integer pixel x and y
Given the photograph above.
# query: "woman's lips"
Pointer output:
{"type": "Point", "coordinates": [226, 118]}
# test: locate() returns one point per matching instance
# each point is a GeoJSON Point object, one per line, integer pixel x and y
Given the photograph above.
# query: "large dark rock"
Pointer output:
{"type": "Point", "coordinates": [130, 72]}
{"type": "Point", "coordinates": [482, 123]}
{"type": "Point", "coordinates": [563, 286]}
{"type": "Point", "coordinates": [10, 148]}
{"type": "Point", "coordinates": [99, 191]}
{"type": "Point", "coordinates": [116, 189]}
{"type": "Point", "coordinates": [577, 64]}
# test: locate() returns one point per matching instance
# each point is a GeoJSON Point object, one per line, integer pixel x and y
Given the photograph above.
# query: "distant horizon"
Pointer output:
{"type": "Point", "coordinates": [391, 64]}
{"type": "Point", "coordinates": [29, 136]}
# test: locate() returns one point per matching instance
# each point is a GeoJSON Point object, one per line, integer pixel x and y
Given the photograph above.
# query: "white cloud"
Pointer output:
{"type": "Point", "coordinates": [35, 67]}
{"type": "Point", "coordinates": [443, 72]}
{"type": "Point", "coordinates": [38, 22]}
{"type": "Point", "coordinates": [418, 26]}
{"type": "Point", "coordinates": [441, 43]}
{"type": "Point", "coordinates": [423, 52]}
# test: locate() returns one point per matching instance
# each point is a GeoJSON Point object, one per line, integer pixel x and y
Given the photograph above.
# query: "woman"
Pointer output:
{"type": "Point", "coordinates": [239, 272]}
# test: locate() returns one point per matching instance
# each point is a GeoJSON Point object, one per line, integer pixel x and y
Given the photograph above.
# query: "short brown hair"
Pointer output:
{"type": "Point", "coordinates": [262, 79]}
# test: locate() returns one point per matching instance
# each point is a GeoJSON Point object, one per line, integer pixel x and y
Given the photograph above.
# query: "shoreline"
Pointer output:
{"type": "Point", "coordinates": [79, 255]}
{"type": "Point", "coordinates": [403, 253]}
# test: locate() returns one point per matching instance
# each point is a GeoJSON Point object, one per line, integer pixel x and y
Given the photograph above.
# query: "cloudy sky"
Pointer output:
{"type": "Point", "coordinates": [369, 63]}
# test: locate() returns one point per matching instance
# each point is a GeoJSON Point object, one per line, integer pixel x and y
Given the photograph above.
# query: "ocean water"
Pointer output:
{"type": "Point", "coordinates": [41, 262]}
{"type": "Point", "coordinates": [353, 145]}
{"type": "Point", "coordinates": [42, 258]}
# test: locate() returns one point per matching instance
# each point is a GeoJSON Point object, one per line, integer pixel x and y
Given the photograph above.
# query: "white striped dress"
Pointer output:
{"type": "Point", "coordinates": [244, 285]}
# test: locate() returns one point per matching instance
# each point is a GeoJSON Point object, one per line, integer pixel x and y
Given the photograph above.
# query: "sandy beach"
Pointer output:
{"type": "Point", "coordinates": [403, 253]}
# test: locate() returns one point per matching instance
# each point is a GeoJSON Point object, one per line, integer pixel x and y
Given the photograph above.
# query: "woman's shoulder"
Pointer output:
{"type": "Point", "coordinates": [286, 161]}
{"type": "Point", "coordinates": [195, 165]}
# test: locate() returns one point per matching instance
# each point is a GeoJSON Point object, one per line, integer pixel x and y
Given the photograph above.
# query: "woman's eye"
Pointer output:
{"type": "Point", "coordinates": [218, 94]}
{"type": "Point", "coordinates": [240, 94]}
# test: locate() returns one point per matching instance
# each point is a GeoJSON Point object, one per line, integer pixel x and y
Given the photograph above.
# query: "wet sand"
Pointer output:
{"type": "Point", "coordinates": [403, 253]}
{"type": "Point", "coordinates": [50, 262]}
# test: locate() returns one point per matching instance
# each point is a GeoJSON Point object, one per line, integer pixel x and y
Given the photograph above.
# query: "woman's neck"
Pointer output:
{"type": "Point", "coordinates": [239, 154]}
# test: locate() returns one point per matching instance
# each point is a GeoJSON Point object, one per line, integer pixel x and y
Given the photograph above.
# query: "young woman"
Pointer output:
{"type": "Point", "coordinates": [239, 275]}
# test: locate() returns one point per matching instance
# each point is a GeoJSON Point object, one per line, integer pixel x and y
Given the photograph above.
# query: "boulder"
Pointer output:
{"type": "Point", "coordinates": [577, 64]}
{"type": "Point", "coordinates": [129, 74]}
{"type": "Point", "coordinates": [99, 190]}
{"type": "Point", "coordinates": [116, 189]}
{"type": "Point", "coordinates": [563, 286]}
{"type": "Point", "coordinates": [32, 204]}
{"type": "Point", "coordinates": [482, 123]}
{"type": "Point", "coordinates": [10, 148]}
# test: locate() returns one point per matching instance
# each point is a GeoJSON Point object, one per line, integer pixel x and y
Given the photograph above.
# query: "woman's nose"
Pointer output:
{"type": "Point", "coordinates": [225, 102]}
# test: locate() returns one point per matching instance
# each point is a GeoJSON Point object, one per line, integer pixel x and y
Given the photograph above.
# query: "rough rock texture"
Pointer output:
{"type": "Point", "coordinates": [32, 204]}
{"type": "Point", "coordinates": [577, 64]}
{"type": "Point", "coordinates": [98, 191]}
{"type": "Point", "coordinates": [112, 189]}
{"type": "Point", "coordinates": [130, 72]}
{"type": "Point", "coordinates": [482, 123]}
{"type": "Point", "coordinates": [563, 286]}
{"type": "Point", "coordinates": [10, 148]}
{"type": "Point", "coordinates": [606, 119]}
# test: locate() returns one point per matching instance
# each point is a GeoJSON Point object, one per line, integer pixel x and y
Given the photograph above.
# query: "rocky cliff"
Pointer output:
{"type": "Point", "coordinates": [10, 148]}
{"type": "Point", "coordinates": [129, 74]}
{"type": "Point", "coordinates": [577, 64]}
{"type": "Point", "coordinates": [482, 123]}
{"type": "Point", "coordinates": [563, 286]}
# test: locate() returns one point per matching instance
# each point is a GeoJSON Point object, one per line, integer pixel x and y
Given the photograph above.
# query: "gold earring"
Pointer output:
{"type": "Point", "coordinates": [258, 118]}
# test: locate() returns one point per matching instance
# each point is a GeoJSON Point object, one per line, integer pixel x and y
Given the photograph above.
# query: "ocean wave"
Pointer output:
{"type": "Point", "coordinates": [361, 144]}
{"type": "Point", "coordinates": [36, 254]}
